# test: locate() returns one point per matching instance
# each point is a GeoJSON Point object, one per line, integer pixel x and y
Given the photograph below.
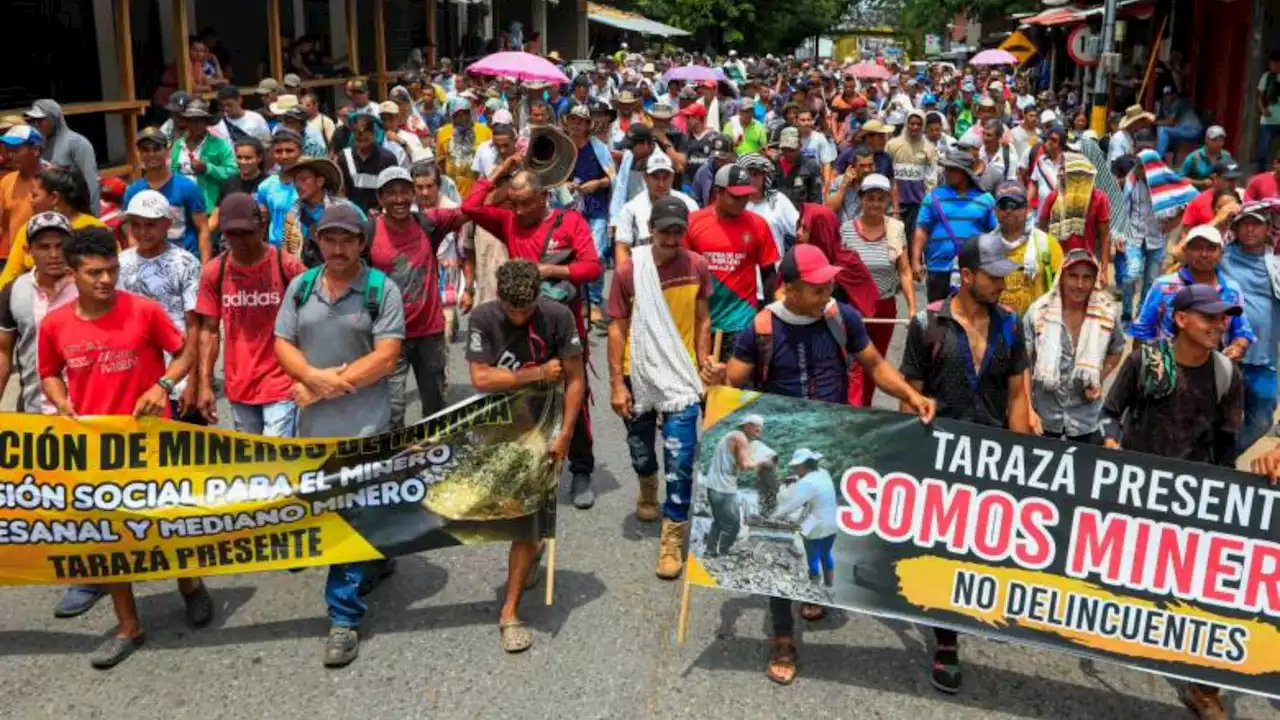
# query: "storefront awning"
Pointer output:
{"type": "Point", "coordinates": [1054, 17]}
{"type": "Point", "coordinates": [630, 22]}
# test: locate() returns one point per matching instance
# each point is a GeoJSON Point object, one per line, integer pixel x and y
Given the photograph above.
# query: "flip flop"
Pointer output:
{"type": "Point", "coordinates": [782, 656]}
{"type": "Point", "coordinates": [516, 637]}
{"type": "Point", "coordinates": [811, 612]}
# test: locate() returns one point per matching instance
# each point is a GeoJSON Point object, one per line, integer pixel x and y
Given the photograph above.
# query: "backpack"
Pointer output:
{"type": "Point", "coordinates": [763, 327]}
{"type": "Point", "coordinates": [374, 287]}
{"type": "Point", "coordinates": [222, 270]}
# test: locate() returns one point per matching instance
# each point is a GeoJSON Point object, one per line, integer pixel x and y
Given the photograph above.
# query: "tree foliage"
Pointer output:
{"type": "Point", "coordinates": [757, 26]}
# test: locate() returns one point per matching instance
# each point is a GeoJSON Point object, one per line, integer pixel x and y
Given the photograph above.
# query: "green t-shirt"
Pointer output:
{"type": "Point", "coordinates": [1273, 115]}
{"type": "Point", "coordinates": [751, 139]}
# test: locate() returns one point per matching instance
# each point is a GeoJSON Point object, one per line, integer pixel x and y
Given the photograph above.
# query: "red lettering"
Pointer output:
{"type": "Point", "coordinates": [945, 514]}
{"type": "Point", "coordinates": [859, 516]}
{"type": "Point", "coordinates": [995, 513]}
{"type": "Point", "coordinates": [899, 492]}
{"type": "Point", "coordinates": [1176, 555]}
{"type": "Point", "coordinates": [1096, 549]}
{"type": "Point", "coordinates": [1138, 566]}
{"type": "Point", "coordinates": [1263, 577]}
{"type": "Point", "coordinates": [1035, 549]}
{"type": "Point", "coordinates": [1216, 569]}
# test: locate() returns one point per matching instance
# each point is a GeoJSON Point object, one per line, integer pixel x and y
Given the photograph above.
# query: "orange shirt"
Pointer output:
{"type": "Point", "coordinates": [15, 208]}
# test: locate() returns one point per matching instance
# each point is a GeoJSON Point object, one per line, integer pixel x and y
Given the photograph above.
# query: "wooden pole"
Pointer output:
{"type": "Point", "coordinates": [181, 48]}
{"type": "Point", "coordinates": [380, 46]}
{"type": "Point", "coordinates": [274, 47]}
{"type": "Point", "coordinates": [716, 345]}
{"type": "Point", "coordinates": [551, 569]}
{"type": "Point", "coordinates": [1151, 64]}
{"type": "Point", "coordinates": [124, 51]}
{"type": "Point", "coordinates": [682, 624]}
{"type": "Point", "coordinates": [432, 49]}
{"type": "Point", "coordinates": [353, 48]}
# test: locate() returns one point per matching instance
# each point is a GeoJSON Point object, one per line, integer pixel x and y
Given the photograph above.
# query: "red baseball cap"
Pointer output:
{"type": "Point", "coordinates": [858, 103]}
{"type": "Point", "coordinates": [695, 109]}
{"type": "Point", "coordinates": [807, 264]}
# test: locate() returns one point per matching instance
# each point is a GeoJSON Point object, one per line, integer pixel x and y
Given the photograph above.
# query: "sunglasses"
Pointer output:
{"type": "Point", "coordinates": [1008, 204]}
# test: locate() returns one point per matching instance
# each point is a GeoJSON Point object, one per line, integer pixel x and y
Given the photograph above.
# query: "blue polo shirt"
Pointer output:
{"type": "Point", "coordinates": [278, 197]}
{"type": "Point", "coordinates": [1155, 319]}
{"type": "Point", "coordinates": [968, 215]}
{"type": "Point", "coordinates": [185, 202]}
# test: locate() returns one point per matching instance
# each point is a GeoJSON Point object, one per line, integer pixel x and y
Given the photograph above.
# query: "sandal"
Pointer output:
{"type": "Point", "coordinates": [782, 662]}
{"type": "Point", "coordinates": [515, 636]}
{"type": "Point", "coordinates": [811, 612]}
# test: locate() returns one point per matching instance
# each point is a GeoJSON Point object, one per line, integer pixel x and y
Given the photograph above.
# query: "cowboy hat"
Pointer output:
{"type": "Point", "coordinates": [626, 97]}
{"type": "Point", "coordinates": [960, 160]}
{"type": "Point", "coordinates": [197, 109]}
{"type": "Point", "coordinates": [1133, 114]}
{"type": "Point", "coordinates": [324, 167]}
{"type": "Point", "coordinates": [283, 104]}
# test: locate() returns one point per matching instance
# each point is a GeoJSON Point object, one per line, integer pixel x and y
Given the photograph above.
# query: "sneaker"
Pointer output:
{"type": "Point", "coordinates": [946, 671]}
{"type": "Point", "coordinates": [581, 493]}
{"type": "Point", "coordinates": [77, 600]}
{"type": "Point", "coordinates": [1204, 701]}
{"type": "Point", "coordinates": [115, 650]}
{"type": "Point", "coordinates": [375, 572]}
{"type": "Point", "coordinates": [199, 607]}
{"type": "Point", "coordinates": [342, 647]}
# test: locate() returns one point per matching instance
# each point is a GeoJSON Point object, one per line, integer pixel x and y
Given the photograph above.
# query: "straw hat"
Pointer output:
{"type": "Point", "coordinates": [324, 167]}
{"type": "Point", "coordinates": [283, 104]}
{"type": "Point", "coordinates": [1134, 114]}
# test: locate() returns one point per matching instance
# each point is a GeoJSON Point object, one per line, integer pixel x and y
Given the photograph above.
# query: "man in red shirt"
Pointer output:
{"type": "Point", "coordinates": [1200, 211]}
{"type": "Point", "coordinates": [110, 347]}
{"type": "Point", "coordinates": [242, 289]}
{"type": "Point", "coordinates": [735, 241]}
{"type": "Point", "coordinates": [561, 244]}
{"type": "Point", "coordinates": [404, 247]}
{"type": "Point", "coordinates": [1264, 185]}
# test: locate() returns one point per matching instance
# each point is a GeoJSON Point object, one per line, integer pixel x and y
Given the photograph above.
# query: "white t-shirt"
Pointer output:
{"type": "Point", "coordinates": [781, 216]}
{"type": "Point", "coordinates": [814, 493]}
{"type": "Point", "coordinates": [631, 224]}
{"type": "Point", "coordinates": [1020, 138]}
{"type": "Point", "coordinates": [485, 159]}
{"type": "Point", "coordinates": [253, 124]}
{"type": "Point", "coordinates": [818, 147]}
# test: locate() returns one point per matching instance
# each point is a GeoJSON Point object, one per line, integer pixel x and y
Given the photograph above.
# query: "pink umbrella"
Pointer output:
{"type": "Point", "coordinates": [518, 65]}
{"type": "Point", "coordinates": [995, 56]}
{"type": "Point", "coordinates": [868, 71]}
{"type": "Point", "coordinates": [693, 73]}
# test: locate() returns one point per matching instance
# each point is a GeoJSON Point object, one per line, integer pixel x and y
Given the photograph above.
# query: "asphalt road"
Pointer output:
{"type": "Point", "coordinates": [606, 648]}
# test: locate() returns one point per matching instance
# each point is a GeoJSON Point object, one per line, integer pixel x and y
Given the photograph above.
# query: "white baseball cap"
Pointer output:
{"type": "Point", "coordinates": [753, 419]}
{"type": "Point", "coordinates": [874, 181]}
{"type": "Point", "coordinates": [148, 204]}
{"type": "Point", "coordinates": [1204, 232]}
{"type": "Point", "coordinates": [803, 455]}
{"type": "Point", "coordinates": [659, 162]}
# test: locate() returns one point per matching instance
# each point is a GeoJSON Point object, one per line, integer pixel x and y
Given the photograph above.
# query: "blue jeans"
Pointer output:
{"type": "Point", "coordinates": [277, 419]}
{"type": "Point", "coordinates": [342, 594]}
{"type": "Point", "coordinates": [1259, 404]}
{"type": "Point", "coordinates": [1266, 134]}
{"type": "Point", "coordinates": [604, 248]}
{"type": "Point", "coordinates": [680, 444]}
{"type": "Point", "coordinates": [1185, 132]}
{"type": "Point", "coordinates": [1152, 261]}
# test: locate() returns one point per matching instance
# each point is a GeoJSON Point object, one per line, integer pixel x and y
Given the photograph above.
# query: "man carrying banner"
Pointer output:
{"type": "Point", "coordinates": [1074, 342]}
{"type": "Point", "coordinates": [338, 336]}
{"type": "Point", "coordinates": [559, 242]}
{"type": "Point", "coordinates": [802, 346]}
{"type": "Point", "coordinates": [968, 353]}
{"type": "Point", "coordinates": [517, 340]}
{"type": "Point", "coordinates": [659, 335]}
{"type": "Point", "coordinates": [104, 354]}
{"type": "Point", "coordinates": [1182, 399]}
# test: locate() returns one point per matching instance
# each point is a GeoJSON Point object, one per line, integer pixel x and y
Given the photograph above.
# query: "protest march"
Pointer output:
{"type": "Point", "coordinates": [946, 349]}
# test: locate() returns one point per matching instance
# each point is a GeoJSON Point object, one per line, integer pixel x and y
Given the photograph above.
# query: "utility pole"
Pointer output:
{"type": "Point", "coordinates": [1108, 65]}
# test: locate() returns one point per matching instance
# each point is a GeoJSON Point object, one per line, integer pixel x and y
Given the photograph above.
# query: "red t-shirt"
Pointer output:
{"type": "Point", "coordinates": [1262, 186]}
{"type": "Point", "coordinates": [1200, 211]}
{"type": "Point", "coordinates": [1099, 212]}
{"type": "Point", "coordinates": [112, 361]}
{"type": "Point", "coordinates": [408, 257]}
{"type": "Point", "coordinates": [734, 247]}
{"type": "Point", "coordinates": [247, 304]}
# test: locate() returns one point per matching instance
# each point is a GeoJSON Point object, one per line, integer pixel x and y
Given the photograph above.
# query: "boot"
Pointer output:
{"type": "Point", "coordinates": [671, 551]}
{"type": "Point", "coordinates": [647, 502]}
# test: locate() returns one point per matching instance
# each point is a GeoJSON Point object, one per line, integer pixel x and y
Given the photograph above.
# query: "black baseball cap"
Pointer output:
{"type": "Point", "coordinates": [639, 132]}
{"type": "Point", "coordinates": [1228, 170]}
{"type": "Point", "coordinates": [669, 212]}
{"type": "Point", "coordinates": [1204, 299]}
{"type": "Point", "coordinates": [152, 134]}
{"type": "Point", "coordinates": [722, 147]}
{"type": "Point", "coordinates": [227, 92]}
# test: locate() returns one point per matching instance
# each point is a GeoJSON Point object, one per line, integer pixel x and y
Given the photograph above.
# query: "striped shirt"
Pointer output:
{"type": "Point", "coordinates": [880, 256]}
{"type": "Point", "coordinates": [968, 215]}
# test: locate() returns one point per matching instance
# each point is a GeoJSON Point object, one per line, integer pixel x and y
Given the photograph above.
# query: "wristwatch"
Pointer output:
{"type": "Point", "coordinates": [165, 383]}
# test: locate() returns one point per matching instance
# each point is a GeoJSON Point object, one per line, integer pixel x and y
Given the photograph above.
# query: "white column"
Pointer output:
{"type": "Point", "coordinates": [299, 18]}
{"type": "Point", "coordinates": [540, 22]}
{"type": "Point", "coordinates": [488, 20]}
{"type": "Point", "coordinates": [338, 28]}
{"type": "Point", "coordinates": [166, 30]}
{"type": "Point", "coordinates": [104, 24]}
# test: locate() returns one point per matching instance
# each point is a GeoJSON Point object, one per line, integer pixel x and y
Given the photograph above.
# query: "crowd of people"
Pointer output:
{"type": "Point", "coordinates": [760, 227]}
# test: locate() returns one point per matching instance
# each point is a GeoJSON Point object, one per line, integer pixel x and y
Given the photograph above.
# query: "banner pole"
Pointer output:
{"type": "Point", "coordinates": [551, 568]}
{"type": "Point", "coordinates": [717, 345]}
{"type": "Point", "coordinates": [682, 624]}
